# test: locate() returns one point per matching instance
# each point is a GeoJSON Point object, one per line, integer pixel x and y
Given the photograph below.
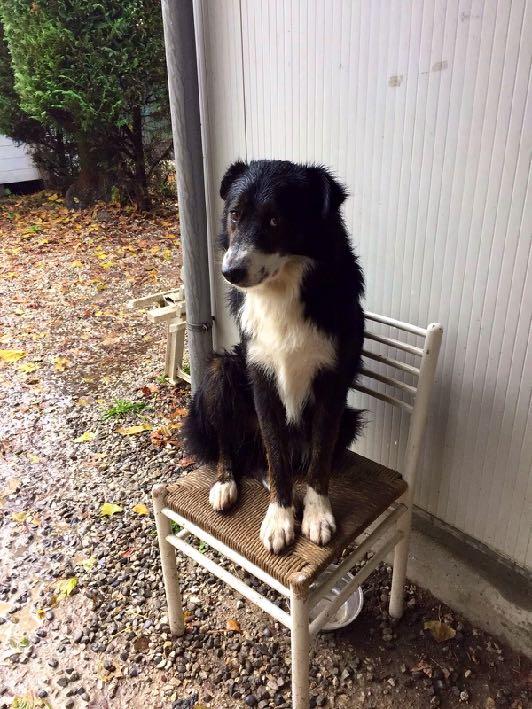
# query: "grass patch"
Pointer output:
{"type": "Point", "coordinates": [176, 528]}
{"type": "Point", "coordinates": [122, 407]}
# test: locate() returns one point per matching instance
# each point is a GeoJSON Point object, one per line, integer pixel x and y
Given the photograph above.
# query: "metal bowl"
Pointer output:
{"type": "Point", "coordinates": [348, 611]}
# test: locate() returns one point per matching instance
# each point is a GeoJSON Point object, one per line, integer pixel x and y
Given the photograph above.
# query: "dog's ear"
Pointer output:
{"type": "Point", "coordinates": [326, 192]}
{"type": "Point", "coordinates": [237, 169]}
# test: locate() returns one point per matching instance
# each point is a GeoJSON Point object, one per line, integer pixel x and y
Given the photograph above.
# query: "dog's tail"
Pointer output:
{"type": "Point", "coordinates": [220, 406]}
{"type": "Point", "coordinates": [351, 426]}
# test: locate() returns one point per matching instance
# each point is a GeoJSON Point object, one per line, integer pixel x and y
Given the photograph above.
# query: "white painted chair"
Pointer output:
{"type": "Point", "coordinates": [168, 307]}
{"type": "Point", "coordinates": [363, 494]}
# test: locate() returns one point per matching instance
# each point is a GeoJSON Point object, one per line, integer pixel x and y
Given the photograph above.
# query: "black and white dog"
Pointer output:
{"type": "Point", "coordinates": [277, 402]}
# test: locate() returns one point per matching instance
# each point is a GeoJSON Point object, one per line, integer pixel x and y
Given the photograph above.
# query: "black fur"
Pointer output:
{"type": "Point", "coordinates": [237, 411]}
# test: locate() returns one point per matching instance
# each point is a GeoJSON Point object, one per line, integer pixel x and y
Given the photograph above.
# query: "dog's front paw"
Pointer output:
{"type": "Point", "coordinates": [223, 495]}
{"type": "Point", "coordinates": [318, 522]}
{"type": "Point", "coordinates": [277, 529]}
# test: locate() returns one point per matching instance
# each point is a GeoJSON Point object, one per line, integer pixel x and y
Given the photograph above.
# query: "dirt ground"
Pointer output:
{"type": "Point", "coordinates": [87, 426]}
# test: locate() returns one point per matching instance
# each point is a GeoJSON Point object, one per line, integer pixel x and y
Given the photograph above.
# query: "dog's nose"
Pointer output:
{"type": "Point", "coordinates": [234, 274]}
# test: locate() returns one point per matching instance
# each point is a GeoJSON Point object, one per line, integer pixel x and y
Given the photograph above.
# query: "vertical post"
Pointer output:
{"type": "Point", "coordinates": [168, 563]}
{"type": "Point", "coordinates": [413, 449]}
{"type": "Point", "coordinates": [183, 90]}
{"type": "Point", "coordinates": [300, 638]}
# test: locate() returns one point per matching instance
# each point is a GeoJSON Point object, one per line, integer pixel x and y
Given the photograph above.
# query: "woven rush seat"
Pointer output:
{"type": "Point", "coordinates": [360, 491]}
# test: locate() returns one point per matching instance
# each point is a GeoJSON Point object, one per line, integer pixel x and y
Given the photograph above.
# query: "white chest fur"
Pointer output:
{"type": "Point", "coordinates": [282, 341]}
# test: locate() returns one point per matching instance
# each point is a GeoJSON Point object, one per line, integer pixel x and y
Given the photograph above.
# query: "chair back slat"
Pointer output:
{"type": "Point", "coordinates": [398, 344]}
{"type": "Point", "coordinates": [403, 366]}
{"type": "Point", "coordinates": [370, 371]}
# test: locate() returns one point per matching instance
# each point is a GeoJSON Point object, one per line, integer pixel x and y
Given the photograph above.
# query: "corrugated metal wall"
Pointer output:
{"type": "Point", "coordinates": [16, 164]}
{"type": "Point", "coordinates": [424, 110]}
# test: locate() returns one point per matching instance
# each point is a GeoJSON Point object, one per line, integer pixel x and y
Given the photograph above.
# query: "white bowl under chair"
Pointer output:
{"type": "Point", "coordinates": [363, 493]}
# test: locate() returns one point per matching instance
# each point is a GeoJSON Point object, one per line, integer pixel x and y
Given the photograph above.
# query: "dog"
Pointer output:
{"type": "Point", "coordinates": [278, 401]}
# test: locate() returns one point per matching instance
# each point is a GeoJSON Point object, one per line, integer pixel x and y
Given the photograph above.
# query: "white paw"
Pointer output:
{"type": "Point", "coordinates": [318, 522]}
{"type": "Point", "coordinates": [277, 529]}
{"type": "Point", "coordinates": [223, 495]}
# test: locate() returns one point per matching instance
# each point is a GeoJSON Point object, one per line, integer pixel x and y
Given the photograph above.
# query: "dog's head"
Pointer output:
{"type": "Point", "coordinates": [274, 211]}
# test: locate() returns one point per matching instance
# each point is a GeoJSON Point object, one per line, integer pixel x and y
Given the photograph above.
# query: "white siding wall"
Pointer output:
{"type": "Point", "coordinates": [16, 164]}
{"type": "Point", "coordinates": [424, 110]}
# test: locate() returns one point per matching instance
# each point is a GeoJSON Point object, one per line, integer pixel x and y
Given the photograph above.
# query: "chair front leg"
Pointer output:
{"type": "Point", "coordinates": [400, 561]}
{"type": "Point", "coordinates": [168, 563]}
{"type": "Point", "coordinates": [300, 640]}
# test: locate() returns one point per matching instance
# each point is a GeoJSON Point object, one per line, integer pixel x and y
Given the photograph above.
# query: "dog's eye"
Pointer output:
{"type": "Point", "coordinates": [235, 215]}
{"type": "Point", "coordinates": [274, 222]}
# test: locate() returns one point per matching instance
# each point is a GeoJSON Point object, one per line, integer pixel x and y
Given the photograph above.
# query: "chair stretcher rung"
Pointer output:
{"type": "Point", "coordinates": [348, 563]}
{"type": "Point", "coordinates": [230, 580]}
{"type": "Point", "coordinates": [220, 547]}
{"type": "Point", "coordinates": [318, 623]}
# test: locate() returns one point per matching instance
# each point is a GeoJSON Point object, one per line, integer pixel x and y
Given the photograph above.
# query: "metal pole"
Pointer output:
{"type": "Point", "coordinates": [183, 90]}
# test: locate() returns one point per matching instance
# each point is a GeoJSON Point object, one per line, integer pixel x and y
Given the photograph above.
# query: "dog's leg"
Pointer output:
{"type": "Point", "coordinates": [222, 425]}
{"type": "Point", "coordinates": [223, 494]}
{"type": "Point", "coordinates": [277, 529]}
{"type": "Point", "coordinates": [318, 521]}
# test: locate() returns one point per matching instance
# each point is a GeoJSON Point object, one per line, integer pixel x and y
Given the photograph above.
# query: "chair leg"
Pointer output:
{"type": "Point", "coordinates": [400, 562]}
{"type": "Point", "coordinates": [168, 563]}
{"type": "Point", "coordinates": [300, 638]}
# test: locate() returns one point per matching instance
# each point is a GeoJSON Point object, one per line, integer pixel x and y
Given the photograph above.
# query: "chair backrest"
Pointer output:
{"type": "Point", "coordinates": [416, 393]}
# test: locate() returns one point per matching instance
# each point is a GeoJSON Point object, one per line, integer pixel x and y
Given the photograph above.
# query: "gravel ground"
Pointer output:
{"type": "Point", "coordinates": [82, 612]}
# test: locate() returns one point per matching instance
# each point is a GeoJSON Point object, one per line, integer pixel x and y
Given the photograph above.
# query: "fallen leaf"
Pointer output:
{"type": "Point", "coordinates": [77, 264]}
{"type": "Point", "coordinates": [141, 644]}
{"type": "Point", "coordinates": [64, 587]}
{"type": "Point", "coordinates": [132, 430]}
{"type": "Point", "coordinates": [141, 509]}
{"type": "Point", "coordinates": [88, 564]}
{"type": "Point", "coordinates": [28, 367]}
{"type": "Point", "coordinates": [163, 435]}
{"type": "Point", "coordinates": [189, 460]}
{"type": "Point", "coordinates": [19, 517]}
{"type": "Point", "coordinates": [40, 613]}
{"type": "Point", "coordinates": [108, 509]}
{"type": "Point", "coordinates": [422, 666]}
{"type": "Point", "coordinates": [86, 436]}
{"type": "Point", "coordinates": [233, 625]}
{"type": "Point", "coordinates": [13, 485]}
{"type": "Point", "coordinates": [178, 413]}
{"type": "Point", "coordinates": [148, 390]}
{"type": "Point", "coordinates": [61, 363]}
{"type": "Point", "coordinates": [440, 631]}
{"type": "Point", "coordinates": [11, 355]}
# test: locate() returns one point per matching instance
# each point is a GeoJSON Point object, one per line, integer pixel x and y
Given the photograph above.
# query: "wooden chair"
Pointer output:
{"type": "Point", "coordinates": [363, 494]}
